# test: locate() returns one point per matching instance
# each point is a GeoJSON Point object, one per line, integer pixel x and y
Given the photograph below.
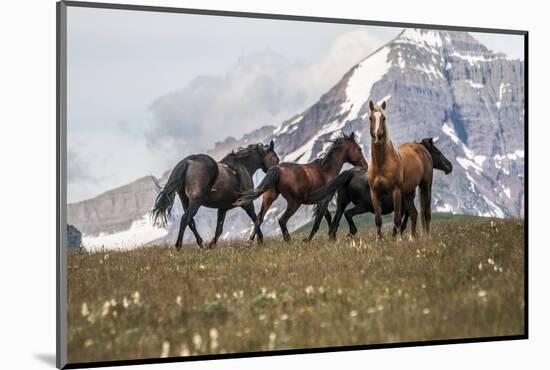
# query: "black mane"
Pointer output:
{"type": "Point", "coordinates": [242, 153]}
{"type": "Point", "coordinates": [336, 144]}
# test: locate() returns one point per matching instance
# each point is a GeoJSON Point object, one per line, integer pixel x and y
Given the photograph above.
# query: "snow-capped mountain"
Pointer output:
{"type": "Point", "coordinates": [443, 84]}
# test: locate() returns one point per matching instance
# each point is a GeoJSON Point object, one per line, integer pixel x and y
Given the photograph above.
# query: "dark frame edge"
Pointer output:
{"type": "Point", "coordinates": [287, 17]}
{"type": "Point", "coordinates": [526, 182]}
{"type": "Point", "coordinates": [61, 143]}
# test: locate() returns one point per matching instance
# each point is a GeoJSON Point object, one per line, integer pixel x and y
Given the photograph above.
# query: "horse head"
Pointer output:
{"type": "Point", "coordinates": [269, 157]}
{"type": "Point", "coordinates": [353, 152]}
{"type": "Point", "coordinates": [440, 162]}
{"type": "Point", "coordinates": [378, 127]}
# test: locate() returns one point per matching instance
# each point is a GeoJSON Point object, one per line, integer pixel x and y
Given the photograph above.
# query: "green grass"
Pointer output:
{"type": "Point", "coordinates": [466, 282]}
{"type": "Point", "coordinates": [366, 220]}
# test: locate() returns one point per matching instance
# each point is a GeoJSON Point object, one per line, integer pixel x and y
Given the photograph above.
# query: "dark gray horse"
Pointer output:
{"type": "Point", "coordinates": [353, 187]}
{"type": "Point", "coordinates": [201, 181]}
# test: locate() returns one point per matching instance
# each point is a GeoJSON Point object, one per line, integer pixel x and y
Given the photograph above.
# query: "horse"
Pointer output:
{"type": "Point", "coordinates": [398, 172]}
{"type": "Point", "coordinates": [296, 181]}
{"type": "Point", "coordinates": [201, 181]}
{"type": "Point", "coordinates": [353, 187]}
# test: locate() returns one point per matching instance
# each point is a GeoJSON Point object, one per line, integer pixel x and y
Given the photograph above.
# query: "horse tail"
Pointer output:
{"type": "Point", "coordinates": [271, 179]}
{"type": "Point", "coordinates": [323, 196]}
{"type": "Point", "coordinates": [331, 187]}
{"type": "Point", "coordinates": [165, 198]}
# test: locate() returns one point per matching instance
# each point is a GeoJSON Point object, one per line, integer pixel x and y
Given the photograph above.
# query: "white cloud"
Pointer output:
{"type": "Point", "coordinates": [263, 88]}
{"type": "Point", "coordinates": [101, 161]}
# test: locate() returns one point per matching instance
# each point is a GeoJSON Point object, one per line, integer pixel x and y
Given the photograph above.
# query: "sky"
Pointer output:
{"type": "Point", "coordinates": [146, 89]}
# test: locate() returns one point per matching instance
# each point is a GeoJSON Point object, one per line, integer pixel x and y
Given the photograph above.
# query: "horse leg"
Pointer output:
{"type": "Point", "coordinates": [410, 209]}
{"type": "Point", "coordinates": [376, 202]}
{"type": "Point", "coordinates": [267, 200]}
{"type": "Point", "coordinates": [426, 207]}
{"type": "Point", "coordinates": [249, 209]}
{"type": "Point", "coordinates": [396, 195]}
{"type": "Point", "coordinates": [186, 219]}
{"type": "Point", "coordinates": [404, 221]}
{"type": "Point", "coordinates": [316, 223]}
{"type": "Point", "coordinates": [219, 227]}
{"type": "Point", "coordinates": [342, 202]}
{"type": "Point", "coordinates": [291, 208]}
{"type": "Point", "coordinates": [349, 218]}
{"type": "Point", "coordinates": [192, 226]}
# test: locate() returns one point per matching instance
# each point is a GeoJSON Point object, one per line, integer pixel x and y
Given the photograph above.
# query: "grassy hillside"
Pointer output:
{"type": "Point", "coordinates": [466, 282]}
{"type": "Point", "coordinates": [366, 220]}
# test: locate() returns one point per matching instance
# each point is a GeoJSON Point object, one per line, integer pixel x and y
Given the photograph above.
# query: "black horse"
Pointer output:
{"type": "Point", "coordinates": [353, 187]}
{"type": "Point", "coordinates": [201, 181]}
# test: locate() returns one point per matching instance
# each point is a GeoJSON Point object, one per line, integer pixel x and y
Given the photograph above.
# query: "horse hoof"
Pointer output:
{"type": "Point", "coordinates": [306, 240]}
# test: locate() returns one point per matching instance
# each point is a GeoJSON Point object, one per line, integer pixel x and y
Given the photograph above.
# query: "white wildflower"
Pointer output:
{"type": "Point", "coordinates": [165, 352]}
{"type": "Point", "coordinates": [214, 339]}
{"type": "Point", "coordinates": [84, 311]}
{"type": "Point", "coordinates": [105, 310]}
{"type": "Point", "coordinates": [125, 303]}
{"type": "Point", "coordinates": [136, 298]}
{"type": "Point", "coordinates": [184, 351]}
{"type": "Point", "coordinates": [197, 341]}
{"type": "Point", "coordinates": [272, 338]}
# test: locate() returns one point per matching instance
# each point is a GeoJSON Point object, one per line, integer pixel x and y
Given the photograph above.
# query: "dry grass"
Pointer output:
{"type": "Point", "coordinates": [466, 282]}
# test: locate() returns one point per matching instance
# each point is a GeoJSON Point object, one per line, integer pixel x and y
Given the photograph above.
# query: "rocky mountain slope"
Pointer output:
{"type": "Point", "coordinates": [443, 84]}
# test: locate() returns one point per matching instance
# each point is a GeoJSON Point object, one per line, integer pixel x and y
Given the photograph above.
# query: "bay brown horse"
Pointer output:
{"type": "Point", "coordinates": [398, 172]}
{"type": "Point", "coordinates": [296, 181]}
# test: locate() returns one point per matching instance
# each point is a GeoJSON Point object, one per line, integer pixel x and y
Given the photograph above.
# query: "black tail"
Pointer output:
{"type": "Point", "coordinates": [333, 185]}
{"type": "Point", "coordinates": [165, 198]}
{"type": "Point", "coordinates": [271, 178]}
{"type": "Point", "coordinates": [323, 196]}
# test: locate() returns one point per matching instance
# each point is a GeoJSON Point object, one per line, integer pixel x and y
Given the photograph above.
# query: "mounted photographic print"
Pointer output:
{"type": "Point", "coordinates": [237, 184]}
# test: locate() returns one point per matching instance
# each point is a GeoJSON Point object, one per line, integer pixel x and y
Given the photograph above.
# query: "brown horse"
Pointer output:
{"type": "Point", "coordinates": [296, 181]}
{"type": "Point", "coordinates": [398, 172]}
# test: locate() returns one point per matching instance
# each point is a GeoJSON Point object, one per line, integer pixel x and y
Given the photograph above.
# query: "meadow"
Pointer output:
{"type": "Point", "coordinates": [466, 282]}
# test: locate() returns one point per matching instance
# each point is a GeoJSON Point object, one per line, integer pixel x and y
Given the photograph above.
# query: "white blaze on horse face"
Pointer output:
{"type": "Point", "coordinates": [377, 116]}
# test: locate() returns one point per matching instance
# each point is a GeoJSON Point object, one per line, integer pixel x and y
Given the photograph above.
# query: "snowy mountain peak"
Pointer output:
{"type": "Point", "coordinates": [426, 38]}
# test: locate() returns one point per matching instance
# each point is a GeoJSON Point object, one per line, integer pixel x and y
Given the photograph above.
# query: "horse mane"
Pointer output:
{"type": "Point", "coordinates": [336, 144]}
{"type": "Point", "coordinates": [241, 153]}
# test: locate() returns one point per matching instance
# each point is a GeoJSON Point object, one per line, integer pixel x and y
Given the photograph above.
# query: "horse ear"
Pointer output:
{"type": "Point", "coordinates": [352, 135]}
{"type": "Point", "coordinates": [431, 141]}
{"type": "Point", "coordinates": [371, 105]}
{"type": "Point", "coordinates": [384, 104]}
{"type": "Point", "coordinates": [271, 145]}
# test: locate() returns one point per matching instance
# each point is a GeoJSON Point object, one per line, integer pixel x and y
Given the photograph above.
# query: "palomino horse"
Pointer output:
{"type": "Point", "coordinates": [398, 172]}
{"type": "Point", "coordinates": [296, 181]}
{"type": "Point", "coordinates": [353, 187]}
{"type": "Point", "coordinates": [201, 181]}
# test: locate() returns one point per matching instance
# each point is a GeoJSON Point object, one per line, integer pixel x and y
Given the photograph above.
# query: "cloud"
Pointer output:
{"type": "Point", "coordinates": [101, 161]}
{"type": "Point", "coordinates": [260, 89]}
